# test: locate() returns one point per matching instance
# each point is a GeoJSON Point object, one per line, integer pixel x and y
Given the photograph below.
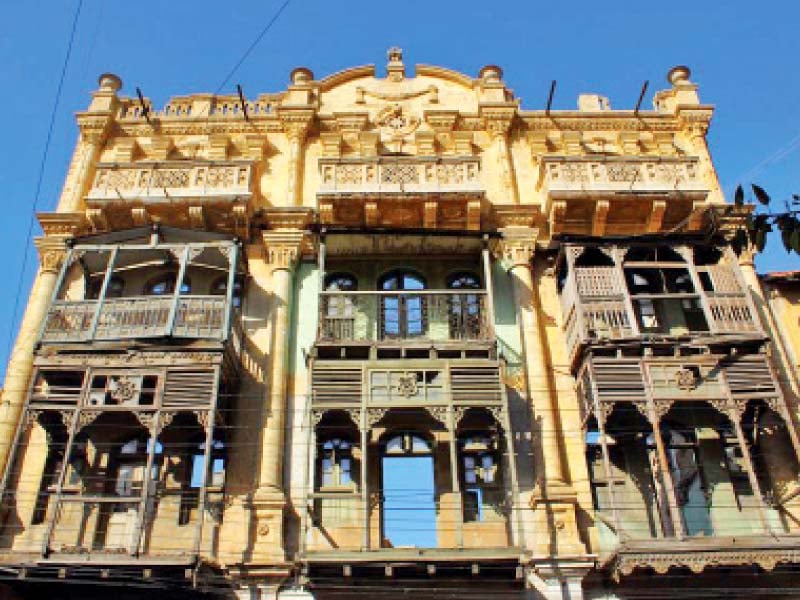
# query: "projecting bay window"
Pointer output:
{"type": "Point", "coordinates": [141, 284]}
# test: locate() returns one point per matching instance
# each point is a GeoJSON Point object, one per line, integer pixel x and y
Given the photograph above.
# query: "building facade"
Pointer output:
{"type": "Point", "coordinates": [382, 334]}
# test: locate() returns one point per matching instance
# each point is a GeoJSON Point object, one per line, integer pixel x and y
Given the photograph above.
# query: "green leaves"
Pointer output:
{"type": "Point", "coordinates": [761, 195]}
{"type": "Point", "coordinates": [757, 226]}
{"type": "Point", "coordinates": [738, 197]}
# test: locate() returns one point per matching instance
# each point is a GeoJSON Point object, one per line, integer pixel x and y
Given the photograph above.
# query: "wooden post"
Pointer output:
{"type": "Point", "coordinates": [207, 464]}
{"type": "Point", "coordinates": [365, 477]}
{"type": "Point", "coordinates": [233, 260]}
{"type": "Point", "coordinates": [735, 417]}
{"type": "Point", "coordinates": [489, 286]}
{"type": "Point", "coordinates": [147, 484]}
{"type": "Point", "coordinates": [665, 474]}
{"type": "Point", "coordinates": [102, 295]}
{"type": "Point", "coordinates": [612, 498]}
{"type": "Point", "coordinates": [173, 311]}
{"type": "Point", "coordinates": [458, 510]}
{"type": "Point", "coordinates": [634, 323]}
{"type": "Point", "coordinates": [508, 435]}
{"type": "Point", "coordinates": [51, 522]}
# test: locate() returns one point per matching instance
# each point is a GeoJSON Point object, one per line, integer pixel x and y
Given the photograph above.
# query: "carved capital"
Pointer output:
{"type": "Point", "coordinates": [52, 251]}
{"type": "Point", "coordinates": [282, 247]}
{"type": "Point", "coordinates": [296, 124]}
{"type": "Point", "coordinates": [498, 121]}
{"type": "Point", "coordinates": [517, 246]}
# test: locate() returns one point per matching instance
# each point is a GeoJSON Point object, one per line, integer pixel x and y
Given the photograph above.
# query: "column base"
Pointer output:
{"type": "Point", "coordinates": [555, 521]}
{"type": "Point", "coordinates": [557, 579]}
{"type": "Point", "coordinates": [267, 508]}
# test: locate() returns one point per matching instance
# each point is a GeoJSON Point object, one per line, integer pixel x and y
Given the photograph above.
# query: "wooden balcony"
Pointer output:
{"type": "Point", "coordinates": [400, 175]}
{"type": "Point", "coordinates": [197, 317]}
{"type": "Point", "coordinates": [397, 317]}
{"type": "Point", "coordinates": [597, 308]}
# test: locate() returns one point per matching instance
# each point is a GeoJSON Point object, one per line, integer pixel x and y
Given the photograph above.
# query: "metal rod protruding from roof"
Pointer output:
{"type": "Point", "coordinates": [550, 97]}
{"type": "Point", "coordinates": [242, 102]}
{"type": "Point", "coordinates": [641, 97]}
{"type": "Point", "coordinates": [145, 109]}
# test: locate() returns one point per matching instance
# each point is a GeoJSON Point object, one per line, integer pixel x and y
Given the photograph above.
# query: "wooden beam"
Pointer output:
{"type": "Point", "coordinates": [429, 215]}
{"type": "Point", "coordinates": [656, 220]}
{"type": "Point", "coordinates": [474, 215]}
{"type": "Point", "coordinates": [558, 212]}
{"type": "Point", "coordinates": [601, 209]}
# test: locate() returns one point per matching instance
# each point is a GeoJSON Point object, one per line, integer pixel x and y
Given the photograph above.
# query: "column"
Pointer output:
{"type": "Point", "coordinates": [498, 125]}
{"type": "Point", "coordinates": [52, 251]}
{"type": "Point", "coordinates": [518, 249]}
{"type": "Point", "coordinates": [296, 126]}
{"type": "Point", "coordinates": [554, 500]}
{"type": "Point", "coordinates": [282, 251]}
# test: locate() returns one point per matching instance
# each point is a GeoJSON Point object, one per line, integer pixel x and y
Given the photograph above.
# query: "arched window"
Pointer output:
{"type": "Point", "coordinates": [338, 307]}
{"type": "Point", "coordinates": [407, 444]}
{"type": "Point", "coordinates": [402, 315]}
{"type": "Point", "coordinates": [465, 309]}
{"type": "Point", "coordinates": [220, 288]}
{"type": "Point", "coordinates": [131, 462]}
{"type": "Point", "coordinates": [164, 285]}
{"type": "Point", "coordinates": [336, 463]}
{"type": "Point", "coordinates": [115, 289]}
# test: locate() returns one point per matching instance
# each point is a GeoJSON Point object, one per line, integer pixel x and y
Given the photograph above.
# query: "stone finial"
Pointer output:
{"type": "Point", "coordinates": [301, 76]}
{"type": "Point", "coordinates": [491, 74]}
{"type": "Point", "coordinates": [678, 75]}
{"type": "Point", "coordinates": [396, 69]}
{"type": "Point", "coordinates": [109, 82]}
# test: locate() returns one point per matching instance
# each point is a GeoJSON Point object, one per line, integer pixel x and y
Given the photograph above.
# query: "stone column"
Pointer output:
{"type": "Point", "coordinates": [295, 125]}
{"type": "Point", "coordinates": [282, 251]}
{"type": "Point", "coordinates": [498, 124]}
{"type": "Point", "coordinates": [51, 254]}
{"type": "Point", "coordinates": [554, 501]}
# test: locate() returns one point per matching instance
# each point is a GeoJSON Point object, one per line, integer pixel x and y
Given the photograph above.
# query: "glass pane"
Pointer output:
{"type": "Point", "coordinates": [419, 445]}
{"type": "Point", "coordinates": [395, 445]}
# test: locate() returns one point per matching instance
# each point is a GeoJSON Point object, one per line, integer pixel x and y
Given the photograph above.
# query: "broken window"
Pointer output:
{"type": "Point", "coordinates": [336, 463]}
{"type": "Point", "coordinates": [479, 472]}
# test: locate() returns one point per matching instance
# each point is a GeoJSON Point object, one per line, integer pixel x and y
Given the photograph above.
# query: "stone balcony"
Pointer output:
{"type": "Point", "coordinates": [562, 174]}
{"type": "Point", "coordinates": [408, 175]}
{"type": "Point", "coordinates": [170, 182]}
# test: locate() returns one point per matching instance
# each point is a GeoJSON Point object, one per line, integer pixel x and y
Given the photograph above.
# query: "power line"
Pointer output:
{"type": "Point", "coordinates": [40, 178]}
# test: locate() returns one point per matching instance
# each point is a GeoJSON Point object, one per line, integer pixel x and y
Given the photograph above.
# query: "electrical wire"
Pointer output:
{"type": "Point", "coordinates": [40, 178]}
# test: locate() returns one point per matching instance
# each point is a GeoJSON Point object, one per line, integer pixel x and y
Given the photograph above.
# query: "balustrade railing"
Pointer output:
{"type": "Point", "coordinates": [390, 315]}
{"type": "Point", "coordinates": [136, 317]}
{"type": "Point", "coordinates": [731, 314]}
{"type": "Point", "coordinates": [169, 182]}
{"type": "Point", "coordinates": [578, 174]}
{"type": "Point", "coordinates": [452, 174]}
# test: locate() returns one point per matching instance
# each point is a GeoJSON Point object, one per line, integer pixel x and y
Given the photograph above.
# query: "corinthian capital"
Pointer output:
{"type": "Point", "coordinates": [52, 251]}
{"type": "Point", "coordinates": [517, 246]}
{"type": "Point", "coordinates": [296, 123]}
{"type": "Point", "coordinates": [282, 247]}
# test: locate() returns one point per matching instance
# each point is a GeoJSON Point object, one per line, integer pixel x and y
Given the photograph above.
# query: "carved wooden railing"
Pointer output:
{"type": "Point", "coordinates": [387, 175]}
{"type": "Point", "coordinates": [169, 182]}
{"type": "Point", "coordinates": [731, 314]}
{"type": "Point", "coordinates": [566, 174]}
{"type": "Point", "coordinates": [375, 316]}
{"type": "Point", "coordinates": [136, 317]}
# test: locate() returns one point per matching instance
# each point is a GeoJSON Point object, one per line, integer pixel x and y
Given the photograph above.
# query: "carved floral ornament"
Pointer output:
{"type": "Point", "coordinates": [396, 123]}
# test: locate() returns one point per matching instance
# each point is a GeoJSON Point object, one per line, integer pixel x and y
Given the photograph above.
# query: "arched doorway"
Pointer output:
{"type": "Point", "coordinates": [409, 507]}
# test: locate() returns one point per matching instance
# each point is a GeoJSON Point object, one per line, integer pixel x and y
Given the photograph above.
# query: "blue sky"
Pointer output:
{"type": "Point", "coordinates": [743, 54]}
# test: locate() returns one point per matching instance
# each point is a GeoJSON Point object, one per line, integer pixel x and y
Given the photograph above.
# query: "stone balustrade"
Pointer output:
{"type": "Point", "coordinates": [396, 175]}
{"type": "Point", "coordinates": [169, 182]}
{"type": "Point", "coordinates": [577, 174]}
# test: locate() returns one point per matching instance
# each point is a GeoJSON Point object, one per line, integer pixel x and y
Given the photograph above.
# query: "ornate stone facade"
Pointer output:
{"type": "Point", "coordinates": [282, 295]}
